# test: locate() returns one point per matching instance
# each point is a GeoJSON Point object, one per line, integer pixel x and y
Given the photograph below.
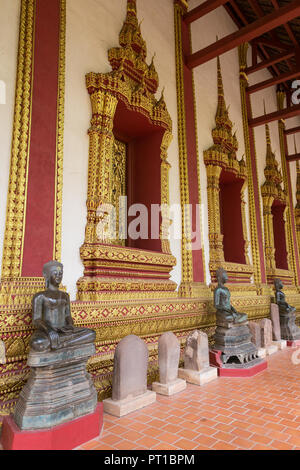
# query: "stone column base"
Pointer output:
{"type": "Point", "coordinates": [128, 405]}
{"type": "Point", "coordinates": [198, 377]}
{"type": "Point", "coordinates": [170, 388]}
{"type": "Point", "coordinates": [261, 352]}
{"type": "Point", "coordinates": [271, 349]}
{"type": "Point", "coordinates": [281, 344]}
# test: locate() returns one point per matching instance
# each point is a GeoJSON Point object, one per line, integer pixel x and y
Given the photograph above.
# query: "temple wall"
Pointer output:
{"type": "Point", "coordinates": [294, 122]}
{"type": "Point", "coordinates": [9, 31]}
{"type": "Point", "coordinates": [92, 28]}
{"type": "Point", "coordinates": [204, 33]}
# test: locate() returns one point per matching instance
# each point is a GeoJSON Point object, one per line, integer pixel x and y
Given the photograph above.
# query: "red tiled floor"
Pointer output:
{"type": "Point", "coordinates": [256, 413]}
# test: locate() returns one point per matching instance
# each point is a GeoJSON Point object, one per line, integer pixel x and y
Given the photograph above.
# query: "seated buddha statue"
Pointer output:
{"type": "Point", "coordinates": [54, 327]}
{"type": "Point", "coordinates": [284, 307]}
{"type": "Point", "coordinates": [225, 310]}
{"type": "Point", "coordinates": [289, 330]}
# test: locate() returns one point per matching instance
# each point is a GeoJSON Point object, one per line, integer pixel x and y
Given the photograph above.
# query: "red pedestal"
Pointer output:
{"type": "Point", "coordinates": [293, 344]}
{"type": "Point", "coordinates": [215, 361]}
{"type": "Point", "coordinates": [66, 436]}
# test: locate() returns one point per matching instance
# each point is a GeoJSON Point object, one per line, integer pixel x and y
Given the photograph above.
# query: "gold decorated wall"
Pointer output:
{"type": "Point", "coordinates": [145, 308]}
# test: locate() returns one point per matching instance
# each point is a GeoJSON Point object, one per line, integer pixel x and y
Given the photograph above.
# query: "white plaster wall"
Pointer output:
{"type": "Point", "coordinates": [204, 32]}
{"type": "Point", "coordinates": [293, 122]}
{"type": "Point", "coordinates": [93, 27]}
{"type": "Point", "coordinates": [9, 32]}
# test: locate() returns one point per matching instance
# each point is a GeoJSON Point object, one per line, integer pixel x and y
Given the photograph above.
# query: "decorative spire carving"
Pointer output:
{"type": "Point", "coordinates": [130, 58]}
{"type": "Point", "coordinates": [272, 185]}
{"type": "Point", "coordinates": [223, 152]}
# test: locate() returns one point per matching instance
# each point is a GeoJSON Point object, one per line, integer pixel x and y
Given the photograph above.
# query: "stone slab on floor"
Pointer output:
{"type": "Point", "coordinates": [169, 389]}
{"type": "Point", "coordinates": [281, 344]}
{"type": "Point", "coordinates": [271, 349]}
{"type": "Point", "coordinates": [128, 405]}
{"type": "Point", "coordinates": [198, 377]}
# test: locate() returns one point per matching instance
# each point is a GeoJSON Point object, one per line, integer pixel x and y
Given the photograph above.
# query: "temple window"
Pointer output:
{"type": "Point", "coordinates": [226, 184]}
{"type": "Point", "coordinates": [129, 137]}
{"type": "Point", "coordinates": [275, 213]}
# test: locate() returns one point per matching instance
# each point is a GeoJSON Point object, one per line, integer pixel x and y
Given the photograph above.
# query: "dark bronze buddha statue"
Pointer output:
{"type": "Point", "coordinates": [289, 330]}
{"type": "Point", "coordinates": [222, 300]}
{"type": "Point", "coordinates": [54, 327]}
{"type": "Point", "coordinates": [284, 307]}
{"type": "Point", "coordinates": [232, 336]}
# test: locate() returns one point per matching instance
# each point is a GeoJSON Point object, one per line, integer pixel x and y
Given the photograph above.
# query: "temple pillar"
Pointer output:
{"type": "Point", "coordinates": [256, 230]}
{"type": "Point", "coordinates": [290, 214]}
{"type": "Point", "coordinates": [33, 220]}
{"type": "Point", "coordinates": [213, 195]}
{"type": "Point", "coordinates": [297, 208]}
{"type": "Point", "coordinates": [193, 267]}
{"type": "Point", "coordinates": [100, 163]}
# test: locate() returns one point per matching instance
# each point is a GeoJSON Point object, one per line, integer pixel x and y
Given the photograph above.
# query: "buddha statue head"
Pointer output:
{"type": "Point", "coordinates": [221, 276]}
{"type": "Point", "coordinates": [278, 284]}
{"type": "Point", "coordinates": [53, 273]}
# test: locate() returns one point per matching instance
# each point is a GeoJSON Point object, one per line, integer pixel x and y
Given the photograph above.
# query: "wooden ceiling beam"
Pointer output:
{"type": "Point", "coordinates": [286, 26]}
{"type": "Point", "coordinates": [293, 158]}
{"type": "Point", "coordinates": [285, 113]}
{"type": "Point", "coordinates": [202, 10]}
{"type": "Point", "coordinates": [251, 31]}
{"type": "Point", "coordinates": [260, 13]}
{"type": "Point", "coordinates": [275, 44]}
{"type": "Point", "coordinates": [267, 63]}
{"type": "Point", "coordinates": [273, 81]}
{"type": "Point", "coordinates": [292, 130]}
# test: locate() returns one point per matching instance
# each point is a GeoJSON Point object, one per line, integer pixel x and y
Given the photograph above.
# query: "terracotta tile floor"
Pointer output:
{"type": "Point", "coordinates": [261, 412]}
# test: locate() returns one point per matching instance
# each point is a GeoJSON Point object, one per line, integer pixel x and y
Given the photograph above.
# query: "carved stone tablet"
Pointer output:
{"type": "Point", "coordinates": [168, 357]}
{"type": "Point", "coordinates": [130, 368]}
{"type": "Point", "coordinates": [255, 333]}
{"type": "Point", "coordinates": [275, 322]}
{"type": "Point", "coordinates": [196, 355]}
{"type": "Point", "coordinates": [266, 332]}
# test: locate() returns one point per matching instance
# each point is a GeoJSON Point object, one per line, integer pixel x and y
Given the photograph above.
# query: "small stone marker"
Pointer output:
{"type": "Point", "coordinates": [275, 322]}
{"type": "Point", "coordinates": [275, 318]}
{"type": "Point", "coordinates": [168, 360]}
{"type": "Point", "coordinates": [129, 389]}
{"type": "Point", "coordinates": [255, 333]}
{"type": "Point", "coordinates": [267, 336]}
{"type": "Point", "coordinates": [196, 360]}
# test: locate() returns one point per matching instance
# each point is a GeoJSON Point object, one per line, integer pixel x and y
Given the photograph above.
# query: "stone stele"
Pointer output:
{"type": "Point", "coordinates": [267, 336]}
{"type": "Point", "coordinates": [254, 328]}
{"type": "Point", "coordinates": [196, 360]}
{"type": "Point", "coordinates": [266, 332]}
{"type": "Point", "coordinates": [275, 322]}
{"type": "Point", "coordinates": [168, 360]}
{"type": "Point", "coordinates": [129, 389]}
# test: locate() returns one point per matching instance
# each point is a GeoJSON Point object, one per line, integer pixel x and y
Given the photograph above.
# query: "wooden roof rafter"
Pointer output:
{"type": "Point", "coordinates": [245, 34]}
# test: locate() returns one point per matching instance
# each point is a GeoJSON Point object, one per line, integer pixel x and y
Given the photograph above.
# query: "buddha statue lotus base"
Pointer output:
{"type": "Point", "coordinates": [66, 436]}
{"type": "Point", "coordinates": [233, 342]}
{"type": "Point", "coordinates": [58, 390]}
